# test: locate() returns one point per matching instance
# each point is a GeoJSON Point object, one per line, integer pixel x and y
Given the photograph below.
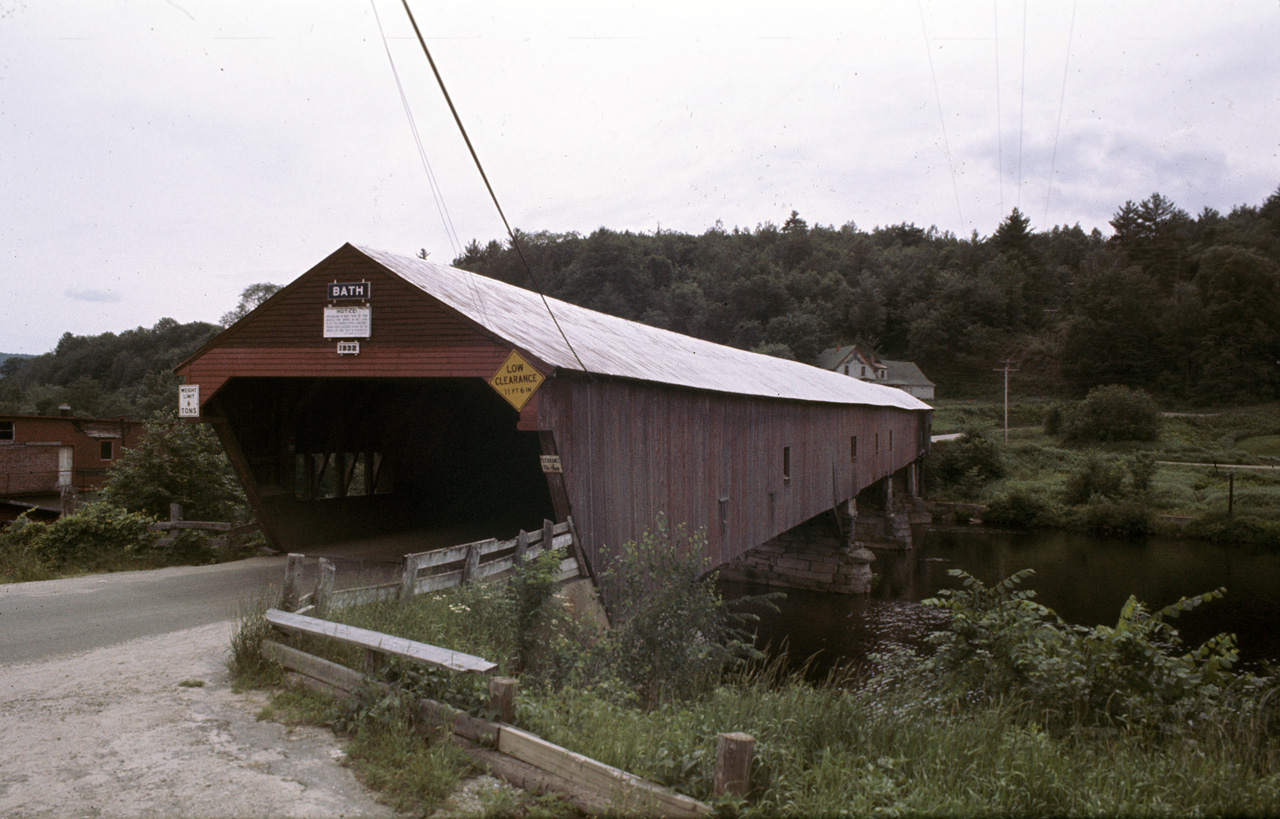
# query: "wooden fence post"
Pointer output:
{"type": "Point", "coordinates": [472, 564]}
{"type": "Point", "coordinates": [292, 582]}
{"type": "Point", "coordinates": [733, 764]}
{"type": "Point", "coordinates": [548, 536]}
{"type": "Point", "coordinates": [409, 578]}
{"type": "Point", "coordinates": [502, 698]}
{"type": "Point", "coordinates": [324, 586]}
{"type": "Point", "coordinates": [175, 512]}
{"type": "Point", "coordinates": [522, 546]}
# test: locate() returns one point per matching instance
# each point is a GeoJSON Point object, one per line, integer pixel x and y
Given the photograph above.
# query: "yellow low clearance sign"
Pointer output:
{"type": "Point", "coordinates": [516, 381]}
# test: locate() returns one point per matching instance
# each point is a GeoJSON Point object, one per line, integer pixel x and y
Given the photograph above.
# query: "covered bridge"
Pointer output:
{"type": "Point", "coordinates": [379, 394]}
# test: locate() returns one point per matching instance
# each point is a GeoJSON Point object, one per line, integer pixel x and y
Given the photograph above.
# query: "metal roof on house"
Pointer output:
{"type": "Point", "coordinates": [608, 345]}
{"type": "Point", "coordinates": [905, 373]}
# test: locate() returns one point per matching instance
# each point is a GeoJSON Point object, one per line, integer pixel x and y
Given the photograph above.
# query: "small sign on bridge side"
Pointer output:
{"type": "Point", "coordinates": [188, 400]}
{"type": "Point", "coordinates": [516, 380]}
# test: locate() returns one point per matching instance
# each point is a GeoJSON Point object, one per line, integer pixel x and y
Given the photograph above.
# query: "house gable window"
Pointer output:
{"type": "Point", "coordinates": [6, 430]}
{"type": "Point", "coordinates": [106, 449]}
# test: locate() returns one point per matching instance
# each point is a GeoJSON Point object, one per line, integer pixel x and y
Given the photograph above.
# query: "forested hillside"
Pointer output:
{"type": "Point", "coordinates": [128, 373]}
{"type": "Point", "coordinates": [1186, 307]}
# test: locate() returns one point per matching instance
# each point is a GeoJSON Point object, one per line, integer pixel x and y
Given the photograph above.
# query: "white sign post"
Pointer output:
{"type": "Point", "coordinates": [189, 401]}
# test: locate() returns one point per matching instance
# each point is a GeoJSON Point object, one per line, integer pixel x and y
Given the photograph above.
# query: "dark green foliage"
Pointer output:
{"type": "Point", "coordinates": [128, 373]}
{"type": "Point", "coordinates": [177, 462]}
{"type": "Point", "coordinates": [966, 463]}
{"type": "Point", "coordinates": [673, 635]}
{"type": "Point", "coordinates": [1122, 518]}
{"type": "Point", "coordinates": [1022, 509]}
{"type": "Point", "coordinates": [1000, 645]}
{"type": "Point", "coordinates": [1112, 413]}
{"type": "Point", "coordinates": [1097, 477]}
{"type": "Point", "coordinates": [1239, 530]}
{"type": "Point", "coordinates": [96, 533]}
{"type": "Point", "coordinates": [22, 556]}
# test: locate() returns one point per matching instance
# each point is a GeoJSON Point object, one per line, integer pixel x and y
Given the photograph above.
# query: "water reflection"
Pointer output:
{"type": "Point", "coordinates": [1085, 579]}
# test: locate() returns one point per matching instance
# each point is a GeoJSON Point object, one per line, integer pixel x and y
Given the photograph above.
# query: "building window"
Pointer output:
{"type": "Point", "coordinates": [6, 430]}
{"type": "Point", "coordinates": [786, 463]}
{"type": "Point", "coordinates": [853, 447]}
{"type": "Point", "coordinates": [106, 450]}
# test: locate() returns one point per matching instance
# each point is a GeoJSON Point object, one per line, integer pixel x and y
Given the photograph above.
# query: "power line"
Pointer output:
{"type": "Point", "coordinates": [1053, 165]}
{"type": "Point", "coordinates": [436, 193]}
{"type": "Point", "coordinates": [995, 28]}
{"type": "Point", "coordinates": [946, 143]}
{"type": "Point", "coordinates": [1022, 102]}
{"type": "Point", "coordinates": [476, 158]}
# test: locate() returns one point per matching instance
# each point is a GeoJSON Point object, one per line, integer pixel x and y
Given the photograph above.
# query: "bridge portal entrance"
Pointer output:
{"type": "Point", "coordinates": [342, 459]}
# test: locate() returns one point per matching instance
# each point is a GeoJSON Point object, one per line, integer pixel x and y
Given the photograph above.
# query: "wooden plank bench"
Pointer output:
{"type": "Point", "coordinates": [372, 641]}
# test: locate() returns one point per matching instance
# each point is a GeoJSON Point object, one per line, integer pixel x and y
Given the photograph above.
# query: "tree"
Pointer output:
{"type": "Point", "coordinates": [1112, 413]}
{"type": "Point", "coordinates": [250, 297]}
{"type": "Point", "coordinates": [176, 462]}
{"type": "Point", "coordinates": [1013, 237]}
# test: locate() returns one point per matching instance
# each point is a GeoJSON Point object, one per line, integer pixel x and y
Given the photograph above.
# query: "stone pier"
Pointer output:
{"type": "Point", "coordinates": [818, 554]}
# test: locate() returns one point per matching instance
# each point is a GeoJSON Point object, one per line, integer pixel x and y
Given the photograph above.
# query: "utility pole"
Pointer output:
{"type": "Point", "coordinates": [1006, 369]}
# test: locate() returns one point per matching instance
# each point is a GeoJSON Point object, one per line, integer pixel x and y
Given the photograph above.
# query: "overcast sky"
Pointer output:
{"type": "Point", "coordinates": [158, 156]}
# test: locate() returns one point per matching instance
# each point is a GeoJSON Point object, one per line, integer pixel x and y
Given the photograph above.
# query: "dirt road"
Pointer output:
{"type": "Point", "coordinates": [151, 728]}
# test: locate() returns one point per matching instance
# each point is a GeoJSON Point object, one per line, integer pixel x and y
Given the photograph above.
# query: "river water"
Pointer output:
{"type": "Point", "coordinates": [1085, 579]}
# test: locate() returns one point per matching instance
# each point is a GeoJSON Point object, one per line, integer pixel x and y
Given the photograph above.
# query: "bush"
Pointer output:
{"type": "Point", "coordinates": [1126, 518]}
{"type": "Point", "coordinates": [21, 555]}
{"type": "Point", "coordinates": [177, 462]}
{"type": "Point", "coordinates": [966, 463]}
{"type": "Point", "coordinates": [1021, 509]}
{"type": "Point", "coordinates": [673, 634]}
{"type": "Point", "coordinates": [1096, 478]}
{"type": "Point", "coordinates": [1002, 646]}
{"type": "Point", "coordinates": [1112, 413]}
{"type": "Point", "coordinates": [97, 532]}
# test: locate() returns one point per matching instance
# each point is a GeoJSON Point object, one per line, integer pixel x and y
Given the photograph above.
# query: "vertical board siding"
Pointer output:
{"type": "Point", "coordinates": [633, 451]}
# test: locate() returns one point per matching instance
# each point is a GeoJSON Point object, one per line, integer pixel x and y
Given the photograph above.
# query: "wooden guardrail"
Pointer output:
{"type": "Point", "coordinates": [377, 643]}
{"type": "Point", "coordinates": [426, 572]}
{"type": "Point", "coordinates": [522, 758]}
{"type": "Point", "coordinates": [176, 523]}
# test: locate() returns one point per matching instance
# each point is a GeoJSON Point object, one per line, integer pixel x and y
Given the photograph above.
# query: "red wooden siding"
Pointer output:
{"type": "Point", "coordinates": [631, 451]}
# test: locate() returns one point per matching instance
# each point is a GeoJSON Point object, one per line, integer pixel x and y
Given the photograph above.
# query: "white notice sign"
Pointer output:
{"type": "Point", "coordinates": [348, 322]}
{"type": "Point", "coordinates": [189, 401]}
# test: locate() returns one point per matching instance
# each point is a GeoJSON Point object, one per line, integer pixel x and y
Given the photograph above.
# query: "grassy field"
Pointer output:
{"type": "Point", "coordinates": [1193, 468]}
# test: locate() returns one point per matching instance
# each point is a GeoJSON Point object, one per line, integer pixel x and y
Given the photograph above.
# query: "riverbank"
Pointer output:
{"type": "Point", "coordinates": [1010, 712]}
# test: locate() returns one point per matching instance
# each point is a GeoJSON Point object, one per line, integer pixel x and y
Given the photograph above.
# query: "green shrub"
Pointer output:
{"type": "Point", "coordinates": [1239, 530]}
{"type": "Point", "coordinates": [1002, 646]}
{"type": "Point", "coordinates": [1125, 518]}
{"type": "Point", "coordinates": [966, 463]}
{"type": "Point", "coordinates": [1112, 413]}
{"type": "Point", "coordinates": [1097, 477]}
{"type": "Point", "coordinates": [22, 556]}
{"type": "Point", "coordinates": [673, 634]}
{"type": "Point", "coordinates": [177, 462]}
{"type": "Point", "coordinates": [96, 532]}
{"type": "Point", "coordinates": [1022, 509]}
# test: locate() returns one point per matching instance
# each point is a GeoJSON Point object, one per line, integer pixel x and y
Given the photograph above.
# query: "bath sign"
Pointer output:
{"type": "Point", "coordinates": [516, 380]}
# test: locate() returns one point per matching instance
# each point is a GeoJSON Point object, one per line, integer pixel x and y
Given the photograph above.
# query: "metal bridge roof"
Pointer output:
{"type": "Point", "coordinates": [608, 345]}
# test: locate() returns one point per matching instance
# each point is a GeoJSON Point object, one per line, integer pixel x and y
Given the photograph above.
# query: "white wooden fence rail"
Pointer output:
{"type": "Point", "coordinates": [426, 572]}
